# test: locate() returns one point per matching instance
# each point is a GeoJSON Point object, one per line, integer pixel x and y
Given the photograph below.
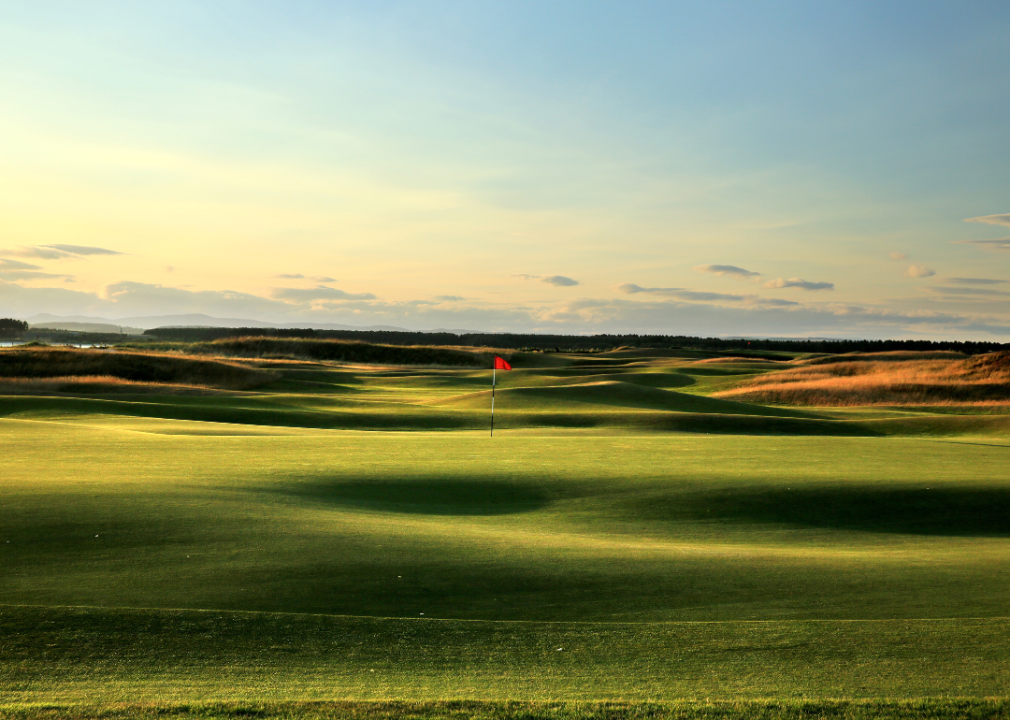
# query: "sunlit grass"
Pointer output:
{"type": "Point", "coordinates": [316, 539]}
{"type": "Point", "coordinates": [889, 379]}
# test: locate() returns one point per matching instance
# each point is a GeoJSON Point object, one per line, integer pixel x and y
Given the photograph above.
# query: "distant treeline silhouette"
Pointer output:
{"type": "Point", "coordinates": [526, 342]}
{"type": "Point", "coordinates": [11, 328]}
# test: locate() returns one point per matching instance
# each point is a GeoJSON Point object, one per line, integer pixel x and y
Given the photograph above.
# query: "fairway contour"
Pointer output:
{"type": "Point", "coordinates": [322, 538]}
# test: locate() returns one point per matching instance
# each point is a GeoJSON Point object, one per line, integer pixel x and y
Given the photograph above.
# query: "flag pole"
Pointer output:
{"type": "Point", "coordinates": [494, 372]}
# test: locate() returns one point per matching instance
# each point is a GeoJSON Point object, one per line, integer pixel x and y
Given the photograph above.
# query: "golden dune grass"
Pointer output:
{"type": "Point", "coordinates": [885, 379]}
{"type": "Point", "coordinates": [735, 359]}
{"type": "Point", "coordinates": [93, 384]}
{"type": "Point", "coordinates": [48, 367]}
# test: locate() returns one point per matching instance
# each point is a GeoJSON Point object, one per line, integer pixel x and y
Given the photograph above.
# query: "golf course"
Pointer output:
{"type": "Point", "coordinates": [239, 530]}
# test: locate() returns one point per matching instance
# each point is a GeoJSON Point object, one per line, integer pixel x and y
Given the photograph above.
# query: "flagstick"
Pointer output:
{"type": "Point", "coordinates": [494, 371]}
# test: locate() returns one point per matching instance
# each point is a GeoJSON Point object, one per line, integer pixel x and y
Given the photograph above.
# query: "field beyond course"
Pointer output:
{"type": "Point", "coordinates": [333, 531]}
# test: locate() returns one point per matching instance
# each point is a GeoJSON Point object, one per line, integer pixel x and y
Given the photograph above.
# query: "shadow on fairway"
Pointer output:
{"type": "Point", "coordinates": [425, 497]}
{"type": "Point", "coordinates": [926, 510]}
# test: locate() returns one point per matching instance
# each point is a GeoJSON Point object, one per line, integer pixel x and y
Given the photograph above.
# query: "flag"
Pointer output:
{"type": "Point", "coordinates": [499, 364]}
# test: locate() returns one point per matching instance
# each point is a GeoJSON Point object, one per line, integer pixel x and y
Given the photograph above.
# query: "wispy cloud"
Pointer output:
{"type": "Point", "coordinates": [695, 296]}
{"type": "Point", "coordinates": [799, 283]}
{"type": "Point", "coordinates": [320, 292]}
{"type": "Point", "coordinates": [919, 271]}
{"type": "Point", "coordinates": [56, 252]}
{"type": "Point", "coordinates": [17, 270]}
{"type": "Point", "coordinates": [556, 280]}
{"type": "Point", "coordinates": [991, 219]}
{"type": "Point", "coordinates": [450, 298]}
{"type": "Point", "coordinates": [679, 293]}
{"type": "Point", "coordinates": [32, 275]}
{"type": "Point", "coordinates": [967, 291]}
{"type": "Point", "coordinates": [299, 276]}
{"type": "Point", "coordinates": [17, 265]}
{"type": "Point", "coordinates": [973, 281]}
{"type": "Point", "coordinates": [897, 256]}
{"type": "Point", "coordinates": [994, 244]}
{"type": "Point", "coordinates": [726, 270]}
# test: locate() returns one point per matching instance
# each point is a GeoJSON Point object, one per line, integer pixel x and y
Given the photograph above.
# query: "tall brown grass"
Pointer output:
{"type": "Point", "coordinates": [885, 379]}
{"type": "Point", "coordinates": [350, 351]}
{"type": "Point", "coordinates": [20, 367]}
{"type": "Point", "coordinates": [94, 384]}
{"type": "Point", "coordinates": [736, 359]}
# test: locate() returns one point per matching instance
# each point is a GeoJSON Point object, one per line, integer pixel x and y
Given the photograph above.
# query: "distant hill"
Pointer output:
{"type": "Point", "coordinates": [88, 327]}
{"type": "Point", "coordinates": [191, 320]}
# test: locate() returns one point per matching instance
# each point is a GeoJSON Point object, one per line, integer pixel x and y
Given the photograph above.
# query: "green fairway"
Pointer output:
{"type": "Point", "coordinates": [354, 533]}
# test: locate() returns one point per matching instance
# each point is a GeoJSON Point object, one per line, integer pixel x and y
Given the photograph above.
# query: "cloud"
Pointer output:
{"type": "Point", "coordinates": [680, 293]}
{"type": "Point", "coordinates": [82, 250]}
{"type": "Point", "coordinates": [299, 276]}
{"type": "Point", "coordinates": [632, 288]}
{"type": "Point", "coordinates": [994, 244]}
{"type": "Point", "coordinates": [450, 298]}
{"type": "Point", "coordinates": [694, 296]}
{"type": "Point", "coordinates": [134, 298]}
{"type": "Point", "coordinates": [32, 275]}
{"type": "Point", "coordinates": [17, 270]}
{"type": "Point", "coordinates": [991, 219]}
{"type": "Point", "coordinates": [752, 317]}
{"type": "Point", "coordinates": [17, 265]}
{"type": "Point", "coordinates": [799, 283]}
{"type": "Point", "coordinates": [320, 292]}
{"type": "Point", "coordinates": [919, 271]}
{"type": "Point", "coordinates": [967, 291]}
{"type": "Point", "coordinates": [974, 281]}
{"type": "Point", "coordinates": [57, 252]}
{"type": "Point", "coordinates": [617, 316]}
{"type": "Point", "coordinates": [556, 280]}
{"type": "Point", "coordinates": [897, 256]}
{"type": "Point", "coordinates": [726, 270]}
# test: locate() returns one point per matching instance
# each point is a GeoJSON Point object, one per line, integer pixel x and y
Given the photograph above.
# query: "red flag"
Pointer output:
{"type": "Point", "coordinates": [501, 364]}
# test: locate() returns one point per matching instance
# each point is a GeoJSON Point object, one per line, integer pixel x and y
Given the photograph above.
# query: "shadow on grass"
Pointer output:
{"type": "Point", "coordinates": [926, 510]}
{"type": "Point", "coordinates": [436, 496]}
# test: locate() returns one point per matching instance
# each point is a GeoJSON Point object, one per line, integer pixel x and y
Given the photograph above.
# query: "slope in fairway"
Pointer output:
{"type": "Point", "coordinates": [148, 558]}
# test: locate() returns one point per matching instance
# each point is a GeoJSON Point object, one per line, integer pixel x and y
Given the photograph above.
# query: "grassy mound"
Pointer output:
{"type": "Point", "coordinates": [41, 369]}
{"type": "Point", "coordinates": [885, 379]}
{"type": "Point", "coordinates": [893, 356]}
{"type": "Point", "coordinates": [348, 351]}
{"type": "Point", "coordinates": [607, 394]}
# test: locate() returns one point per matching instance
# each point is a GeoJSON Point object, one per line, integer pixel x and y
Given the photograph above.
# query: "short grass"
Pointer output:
{"type": "Point", "coordinates": [316, 541]}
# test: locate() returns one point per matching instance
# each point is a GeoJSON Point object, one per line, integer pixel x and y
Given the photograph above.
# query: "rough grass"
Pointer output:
{"type": "Point", "coordinates": [884, 379]}
{"type": "Point", "coordinates": [891, 356]}
{"type": "Point", "coordinates": [47, 367]}
{"type": "Point", "coordinates": [346, 351]}
{"type": "Point", "coordinates": [92, 384]}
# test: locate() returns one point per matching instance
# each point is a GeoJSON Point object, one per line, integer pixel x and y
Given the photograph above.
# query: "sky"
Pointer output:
{"type": "Point", "coordinates": [778, 169]}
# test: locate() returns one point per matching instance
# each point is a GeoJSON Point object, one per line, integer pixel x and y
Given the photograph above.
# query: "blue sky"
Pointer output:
{"type": "Point", "coordinates": [443, 164]}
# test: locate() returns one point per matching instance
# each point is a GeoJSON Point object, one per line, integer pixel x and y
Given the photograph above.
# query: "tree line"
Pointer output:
{"type": "Point", "coordinates": [11, 328]}
{"type": "Point", "coordinates": [528, 342]}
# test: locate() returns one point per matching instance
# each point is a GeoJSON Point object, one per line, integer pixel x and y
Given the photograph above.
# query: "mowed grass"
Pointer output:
{"type": "Point", "coordinates": [175, 560]}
